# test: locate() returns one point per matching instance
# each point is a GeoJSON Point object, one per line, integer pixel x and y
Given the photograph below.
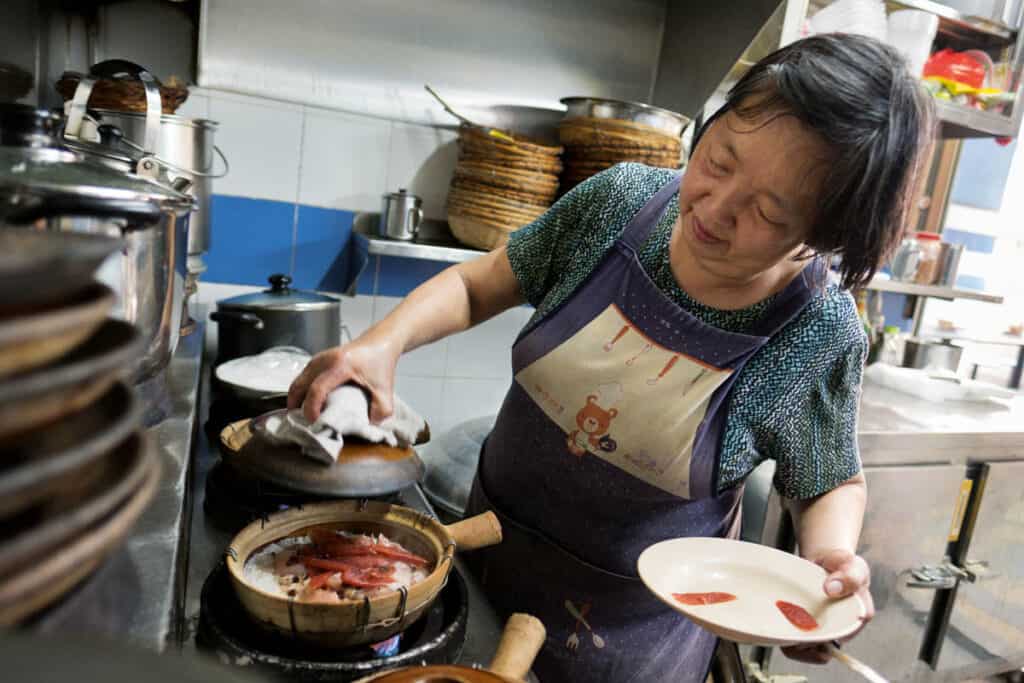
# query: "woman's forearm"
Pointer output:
{"type": "Point", "coordinates": [831, 521]}
{"type": "Point", "coordinates": [452, 301]}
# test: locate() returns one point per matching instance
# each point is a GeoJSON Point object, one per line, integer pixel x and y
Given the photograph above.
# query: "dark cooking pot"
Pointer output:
{"type": "Point", "coordinates": [279, 316]}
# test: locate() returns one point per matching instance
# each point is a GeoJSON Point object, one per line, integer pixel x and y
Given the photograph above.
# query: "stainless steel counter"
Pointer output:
{"type": "Point", "coordinates": [899, 428]}
{"type": "Point", "coordinates": [136, 595]}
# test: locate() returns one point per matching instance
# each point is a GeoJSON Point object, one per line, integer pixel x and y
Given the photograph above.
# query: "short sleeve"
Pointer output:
{"type": "Point", "coordinates": [541, 251]}
{"type": "Point", "coordinates": [815, 448]}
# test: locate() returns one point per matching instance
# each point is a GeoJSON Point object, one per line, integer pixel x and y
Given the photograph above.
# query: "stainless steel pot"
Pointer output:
{"type": "Point", "coordinates": [279, 316]}
{"type": "Point", "coordinates": [185, 147]}
{"type": "Point", "coordinates": [52, 188]}
{"type": "Point", "coordinates": [925, 354]}
{"type": "Point", "coordinates": [668, 122]}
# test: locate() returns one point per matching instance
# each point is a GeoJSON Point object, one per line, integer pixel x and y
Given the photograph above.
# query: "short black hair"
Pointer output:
{"type": "Point", "coordinates": [857, 94]}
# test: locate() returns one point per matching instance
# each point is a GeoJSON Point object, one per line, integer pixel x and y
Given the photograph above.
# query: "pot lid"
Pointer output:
{"type": "Point", "coordinates": [34, 168]}
{"type": "Point", "coordinates": [280, 297]}
{"type": "Point", "coordinates": [363, 470]}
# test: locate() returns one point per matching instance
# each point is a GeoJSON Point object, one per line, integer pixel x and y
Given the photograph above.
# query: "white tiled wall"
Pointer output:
{"type": "Point", "coordinates": [289, 152]}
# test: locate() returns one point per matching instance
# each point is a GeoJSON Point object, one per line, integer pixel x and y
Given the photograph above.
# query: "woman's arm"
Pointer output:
{"type": "Point", "coordinates": [454, 300]}
{"type": "Point", "coordinates": [827, 531]}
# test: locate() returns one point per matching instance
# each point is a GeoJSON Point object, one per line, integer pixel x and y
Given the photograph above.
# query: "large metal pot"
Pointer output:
{"type": "Point", "coordinates": [49, 187]}
{"type": "Point", "coordinates": [185, 147]}
{"type": "Point", "coordinates": [279, 316]}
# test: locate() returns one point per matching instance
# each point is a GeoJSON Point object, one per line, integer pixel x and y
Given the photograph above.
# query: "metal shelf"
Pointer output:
{"type": "Point", "coordinates": [933, 291]}
{"type": "Point", "coordinates": [964, 122]}
{"type": "Point", "coordinates": [434, 244]}
{"type": "Point", "coordinates": [952, 23]}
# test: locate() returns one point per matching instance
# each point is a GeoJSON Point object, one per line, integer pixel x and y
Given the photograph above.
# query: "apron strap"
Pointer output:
{"type": "Point", "coordinates": [646, 218]}
{"type": "Point", "coordinates": [792, 299]}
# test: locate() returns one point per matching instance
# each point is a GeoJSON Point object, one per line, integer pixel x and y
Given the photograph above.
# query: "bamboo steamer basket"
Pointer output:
{"type": "Point", "coordinates": [522, 146]}
{"type": "Point", "coordinates": [371, 619]}
{"type": "Point", "coordinates": [520, 642]}
{"type": "Point", "coordinates": [478, 232]}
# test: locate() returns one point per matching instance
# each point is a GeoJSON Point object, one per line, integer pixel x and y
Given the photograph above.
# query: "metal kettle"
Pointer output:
{"type": "Point", "coordinates": [401, 215]}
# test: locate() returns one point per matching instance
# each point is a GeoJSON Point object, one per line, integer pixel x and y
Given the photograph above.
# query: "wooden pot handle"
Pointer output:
{"type": "Point", "coordinates": [476, 532]}
{"type": "Point", "coordinates": [520, 642]}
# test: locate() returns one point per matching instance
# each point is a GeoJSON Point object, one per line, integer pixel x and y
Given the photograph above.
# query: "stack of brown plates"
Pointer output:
{"type": "Point", "coordinates": [595, 144]}
{"type": "Point", "coordinates": [75, 472]}
{"type": "Point", "coordinates": [499, 186]}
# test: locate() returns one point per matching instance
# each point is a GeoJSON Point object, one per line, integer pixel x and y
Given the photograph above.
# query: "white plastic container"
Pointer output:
{"type": "Point", "coordinates": [862, 17]}
{"type": "Point", "coordinates": [912, 32]}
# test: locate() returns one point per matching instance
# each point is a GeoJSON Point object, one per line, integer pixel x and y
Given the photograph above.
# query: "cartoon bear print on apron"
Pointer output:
{"type": "Point", "coordinates": [606, 443]}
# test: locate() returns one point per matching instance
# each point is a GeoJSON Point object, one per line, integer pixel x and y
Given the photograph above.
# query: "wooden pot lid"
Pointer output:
{"type": "Point", "coordinates": [363, 470]}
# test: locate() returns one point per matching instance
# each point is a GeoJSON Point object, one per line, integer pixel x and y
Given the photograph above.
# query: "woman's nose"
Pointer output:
{"type": "Point", "coordinates": [721, 207]}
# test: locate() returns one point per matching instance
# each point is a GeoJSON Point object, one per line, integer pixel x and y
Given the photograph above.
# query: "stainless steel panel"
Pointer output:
{"type": "Point", "coordinates": [906, 525]}
{"type": "Point", "coordinates": [988, 616]}
{"type": "Point", "coordinates": [373, 56]}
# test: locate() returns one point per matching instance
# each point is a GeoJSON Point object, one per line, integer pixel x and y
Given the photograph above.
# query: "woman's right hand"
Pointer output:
{"type": "Point", "coordinates": [369, 361]}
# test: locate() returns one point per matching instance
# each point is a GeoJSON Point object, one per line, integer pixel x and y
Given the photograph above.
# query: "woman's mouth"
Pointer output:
{"type": "Point", "coordinates": [702, 234]}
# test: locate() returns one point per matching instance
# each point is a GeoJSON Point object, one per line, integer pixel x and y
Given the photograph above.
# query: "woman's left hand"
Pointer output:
{"type": "Point", "coordinates": [848, 574]}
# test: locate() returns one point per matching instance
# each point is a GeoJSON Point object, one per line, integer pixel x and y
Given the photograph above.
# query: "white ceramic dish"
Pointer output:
{"type": "Point", "coordinates": [264, 374]}
{"type": "Point", "coordinates": [758, 576]}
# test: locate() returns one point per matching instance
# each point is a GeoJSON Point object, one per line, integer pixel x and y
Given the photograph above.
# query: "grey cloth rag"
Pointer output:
{"type": "Point", "coordinates": [346, 413]}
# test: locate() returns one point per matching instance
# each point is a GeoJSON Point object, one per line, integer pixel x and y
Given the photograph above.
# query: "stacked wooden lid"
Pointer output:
{"type": "Point", "coordinates": [594, 144]}
{"type": "Point", "coordinates": [500, 184]}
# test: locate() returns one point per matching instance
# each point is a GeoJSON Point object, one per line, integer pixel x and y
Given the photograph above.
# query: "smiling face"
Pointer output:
{"type": "Point", "coordinates": [748, 199]}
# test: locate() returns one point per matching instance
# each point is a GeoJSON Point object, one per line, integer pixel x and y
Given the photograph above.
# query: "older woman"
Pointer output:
{"type": "Point", "coordinates": [686, 329]}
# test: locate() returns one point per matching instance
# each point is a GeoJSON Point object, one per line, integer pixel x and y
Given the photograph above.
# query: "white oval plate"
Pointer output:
{"type": "Point", "coordinates": [270, 372]}
{"type": "Point", "coordinates": [758, 576]}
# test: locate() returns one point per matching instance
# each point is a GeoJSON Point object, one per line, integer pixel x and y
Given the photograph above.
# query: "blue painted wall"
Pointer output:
{"type": "Point", "coordinates": [255, 238]}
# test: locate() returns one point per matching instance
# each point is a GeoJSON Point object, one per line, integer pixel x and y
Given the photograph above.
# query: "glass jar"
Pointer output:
{"type": "Point", "coordinates": [931, 257]}
{"type": "Point", "coordinates": [905, 260]}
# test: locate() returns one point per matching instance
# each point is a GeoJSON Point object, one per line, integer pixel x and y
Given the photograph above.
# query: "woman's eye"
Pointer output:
{"type": "Point", "coordinates": [716, 168]}
{"type": "Point", "coordinates": [770, 221]}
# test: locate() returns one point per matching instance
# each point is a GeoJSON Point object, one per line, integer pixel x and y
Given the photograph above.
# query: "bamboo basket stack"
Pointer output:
{"type": "Point", "coordinates": [595, 144]}
{"type": "Point", "coordinates": [128, 95]}
{"type": "Point", "coordinates": [499, 185]}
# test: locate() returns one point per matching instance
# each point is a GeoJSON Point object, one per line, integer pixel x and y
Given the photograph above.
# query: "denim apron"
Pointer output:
{"type": "Point", "coordinates": [607, 442]}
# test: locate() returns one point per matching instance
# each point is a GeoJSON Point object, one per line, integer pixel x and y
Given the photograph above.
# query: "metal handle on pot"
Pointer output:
{"type": "Point", "coordinates": [117, 68]}
{"type": "Point", "coordinates": [417, 220]}
{"type": "Point", "coordinates": [181, 169]}
{"type": "Point", "coordinates": [231, 316]}
{"type": "Point", "coordinates": [92, 207]}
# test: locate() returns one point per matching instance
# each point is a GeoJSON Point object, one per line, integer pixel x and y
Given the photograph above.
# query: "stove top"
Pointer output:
{"type": "Point", "coordinates": [225, 630]}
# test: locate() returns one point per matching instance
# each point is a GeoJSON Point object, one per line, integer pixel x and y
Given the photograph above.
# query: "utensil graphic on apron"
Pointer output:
{"type": "Point", "coordinates": [608, 442]}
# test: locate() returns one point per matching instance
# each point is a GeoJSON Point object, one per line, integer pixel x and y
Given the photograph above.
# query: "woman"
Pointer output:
{"type": "Point", "coordinates": [684, 332]}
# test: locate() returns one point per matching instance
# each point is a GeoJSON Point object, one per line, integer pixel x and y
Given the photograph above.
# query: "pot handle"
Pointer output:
{"type": "Point", "coordinates": [520, 642]}
{"type": "Point", "coordinates": [476, 532]}
{"type": "Point", "coordinates": [120, 68]}
{"type": "Point", "coordinates": [231, 316]}
{"type": "Point", "coordinates": [92, 207]}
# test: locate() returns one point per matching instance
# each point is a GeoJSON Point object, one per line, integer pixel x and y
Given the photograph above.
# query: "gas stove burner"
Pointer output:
{"type": "Point", "coordinates": [225, 630]}
{"type": "Point", "coordinates": [233, 499]}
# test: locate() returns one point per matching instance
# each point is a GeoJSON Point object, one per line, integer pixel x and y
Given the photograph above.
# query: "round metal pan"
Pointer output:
{"type": "Point", "coordinates": [668, 122]}
{"type": "Point", "coordinates": [80, 502]}
{"type": "Point", "coordinates": [37, 465]}
{"type": "Point", "coordinates": [39, 267]}
{"type": "Point", "coordinates": [47, 394]}
{"type": "Point", "coordinates": [31, 338]}
{"type": "Point", "coordinates": [363, 470]}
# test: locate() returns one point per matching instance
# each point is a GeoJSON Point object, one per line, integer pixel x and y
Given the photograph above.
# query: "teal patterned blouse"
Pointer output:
{"type": "Point", "coordinates": [794, 402]}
